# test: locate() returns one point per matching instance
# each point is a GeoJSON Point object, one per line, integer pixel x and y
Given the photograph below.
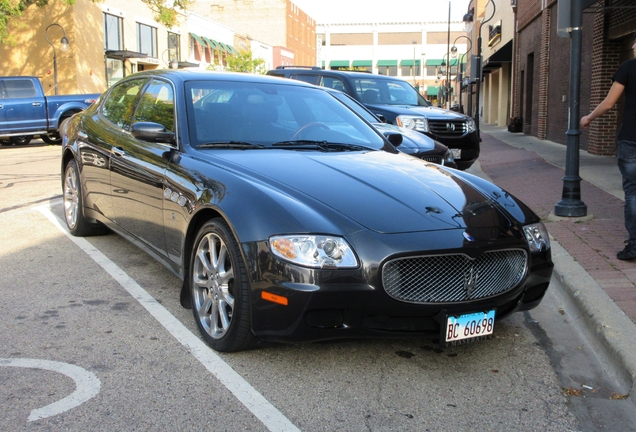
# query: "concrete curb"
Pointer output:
{"type": "Point", "coordinates": [604, 319]}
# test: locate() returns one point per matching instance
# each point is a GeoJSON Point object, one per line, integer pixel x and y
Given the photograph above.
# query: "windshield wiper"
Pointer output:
{"type": "Point", "coordinates": [322, 145]}
{"type": "Point", "coordinates": [231, 145]}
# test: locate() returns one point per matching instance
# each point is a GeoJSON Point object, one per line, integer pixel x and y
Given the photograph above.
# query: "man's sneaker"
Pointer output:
{"type": "Point", "coordinates": [629, 253]}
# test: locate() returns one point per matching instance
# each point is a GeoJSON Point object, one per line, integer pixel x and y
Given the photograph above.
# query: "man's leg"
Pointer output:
{"type": "Point", "coordinates": [627, 167]}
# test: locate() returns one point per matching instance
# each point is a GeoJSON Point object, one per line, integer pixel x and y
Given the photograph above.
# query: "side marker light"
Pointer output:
{"type": "Point", "coordinates": [274, 298]}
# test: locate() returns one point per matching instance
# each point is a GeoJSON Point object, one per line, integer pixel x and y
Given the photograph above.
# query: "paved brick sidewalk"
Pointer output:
{"type": "Point", "coordinates": [592, 241]}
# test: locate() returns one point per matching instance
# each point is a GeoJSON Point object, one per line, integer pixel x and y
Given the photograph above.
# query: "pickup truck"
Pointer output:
{"type": "Point", "coordinates": [25, 111]}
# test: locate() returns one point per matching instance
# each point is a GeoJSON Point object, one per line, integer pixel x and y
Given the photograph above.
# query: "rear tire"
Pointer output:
{"type": "Point", "coordinates": [74, 205]}
{"type": "Point", "coordinates": [219, 290]}
{"type": "Point", "coordinates": [52, 138]}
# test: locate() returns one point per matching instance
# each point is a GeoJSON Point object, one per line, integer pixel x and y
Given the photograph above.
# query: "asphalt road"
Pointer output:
{"type": "Point", "coordinates": [94, 338]}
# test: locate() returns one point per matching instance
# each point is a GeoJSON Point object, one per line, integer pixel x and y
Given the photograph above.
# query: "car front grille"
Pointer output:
{"type": "Point", "coordinates": [453, 277]}
{"type": "Point", "coordinates": [432, 158]}
{"type": "Point", "coordinates": [447, 128]}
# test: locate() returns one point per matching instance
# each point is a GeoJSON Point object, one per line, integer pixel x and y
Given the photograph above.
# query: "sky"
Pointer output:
{"type": "Point", "coordinates": [376, 11]}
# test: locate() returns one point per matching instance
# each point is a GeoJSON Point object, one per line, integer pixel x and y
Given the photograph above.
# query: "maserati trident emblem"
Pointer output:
{"type": "Point", "coordinates": [470, 281]}
{"type": "Point", "coordinates": [450, 126]}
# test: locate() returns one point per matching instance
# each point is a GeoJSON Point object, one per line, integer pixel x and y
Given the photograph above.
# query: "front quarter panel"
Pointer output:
{"type": "Point", "coordinates": [199, 187]}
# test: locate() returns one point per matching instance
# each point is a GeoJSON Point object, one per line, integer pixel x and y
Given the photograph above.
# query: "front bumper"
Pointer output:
{"type": "Point", "coordinates": [328, 304]}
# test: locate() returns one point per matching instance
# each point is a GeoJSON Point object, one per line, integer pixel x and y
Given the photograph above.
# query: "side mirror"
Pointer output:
{"type": "Point", "coordinates": [394, 138]}
{"type": "Point", "coordinates": [152, 132]}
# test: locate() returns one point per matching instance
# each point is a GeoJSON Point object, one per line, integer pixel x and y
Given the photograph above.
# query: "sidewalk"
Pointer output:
{"type": "Point", "coordinates": [584, 249]}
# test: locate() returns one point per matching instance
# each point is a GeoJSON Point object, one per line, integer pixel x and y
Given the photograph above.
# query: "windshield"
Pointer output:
{"type": "Point", "coordinates": [355, 106]}
{"type": "Point", "coordinates": [258, 115]}
{"type": "Point", "coordinates": [388, 92]}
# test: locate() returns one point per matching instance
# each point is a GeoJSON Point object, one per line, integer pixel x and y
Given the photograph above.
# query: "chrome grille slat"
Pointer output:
{"type": "Point", "coordinates": [441, 127]}
{"type": "Point", "coordinates": [453, 277]}
{"type": "Point", "coordinates": [433, 159]}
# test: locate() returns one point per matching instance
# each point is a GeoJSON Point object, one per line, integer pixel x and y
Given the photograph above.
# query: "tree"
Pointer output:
{"type": "Point", "coordinates": [243, 62]}
{"type": "Point", "coordinates": [165, 12]}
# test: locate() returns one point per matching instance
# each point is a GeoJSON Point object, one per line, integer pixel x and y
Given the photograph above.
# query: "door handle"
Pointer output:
{"type": "Point", "coordinates": [118, 151]}
{"type": "Point", "coordinates": [37, 104]}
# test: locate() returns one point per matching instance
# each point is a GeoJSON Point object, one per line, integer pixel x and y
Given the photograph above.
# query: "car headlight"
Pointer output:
{"type": "Point", "coordinates": [419, 124]}
{"type": "Point", "coordinates": [537, 237]}
{"type": "Point", "coordinates": [470, 125]}
{"type": "Point", "coordinates": [449, 158]}
{"type": "Point", "coordinates": [316, 251]}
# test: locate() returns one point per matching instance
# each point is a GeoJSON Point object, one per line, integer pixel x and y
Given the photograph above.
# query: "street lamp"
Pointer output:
{"type": "Point", "coordinates": [173, 61]}
{"type": "Point", "coordinates": [468, 20]}
{"type": "Point", "coordinates": [63, 46]}
{"type": "Point", "coordinates": [461, 66]}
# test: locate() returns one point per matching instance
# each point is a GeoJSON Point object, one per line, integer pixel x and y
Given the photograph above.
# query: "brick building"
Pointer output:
{"type": "Point", "coordinates": [279, 23]}
{"type": "Point", "coordinates": [542, 68]}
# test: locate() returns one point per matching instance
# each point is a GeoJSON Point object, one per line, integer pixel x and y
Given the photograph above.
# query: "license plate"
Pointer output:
{"type": "Point", "coordinates": [457, 153]}
{"type": "Point", "coordinates": [469, 325]}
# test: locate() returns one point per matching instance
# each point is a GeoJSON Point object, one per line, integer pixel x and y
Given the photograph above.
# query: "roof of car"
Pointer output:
{"type": "Point", "coordinates": [199, 75]}
{"type": "Point", "coordinates": [316, 70]}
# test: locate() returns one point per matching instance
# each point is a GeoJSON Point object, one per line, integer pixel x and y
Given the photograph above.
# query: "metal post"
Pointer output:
{"type": "Point", "coordinates": [571, 204]}
{"type": "Point", "coordinates": [448, 67]}
{"type": "Point", "coordinates": [64, 47]}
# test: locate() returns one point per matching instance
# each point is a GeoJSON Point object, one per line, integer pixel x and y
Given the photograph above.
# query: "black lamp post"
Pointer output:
{"type": "Point", "coordinates": [571, 204]}
{"type": "Point", "coordinates": [460, 75]}
{"type": "Point", "coordinates": [63, 46]}
{"type": "Point", "coordinates": [468, 18]}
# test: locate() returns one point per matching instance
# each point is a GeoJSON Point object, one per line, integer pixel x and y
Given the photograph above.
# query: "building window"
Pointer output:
{"type": "Point", "coordinates": [387, 70]}
{"type": "Point", "coordinates": [113, 32]}
{"type": "Point", "coordinates": [147, 40]}
{"type": "Point", "coordinates": [174, 44]}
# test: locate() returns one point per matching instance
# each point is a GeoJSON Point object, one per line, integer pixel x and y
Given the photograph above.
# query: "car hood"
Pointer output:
{"type": "Point", "coordinates": [429, 112]}
{"type": "Point", "coordinates": [384, 192]}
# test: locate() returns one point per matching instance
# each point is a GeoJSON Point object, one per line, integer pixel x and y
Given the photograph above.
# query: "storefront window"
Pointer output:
{"type": "Point", "coordinates": [114, 71]}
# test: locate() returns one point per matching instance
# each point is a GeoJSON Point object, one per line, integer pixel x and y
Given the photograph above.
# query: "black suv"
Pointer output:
{"type": "Point", "coordinates": [399, 103]}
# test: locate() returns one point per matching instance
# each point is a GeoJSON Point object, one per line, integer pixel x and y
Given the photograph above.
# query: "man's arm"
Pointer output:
{"type": "Point", "coordinates": [610, 100]}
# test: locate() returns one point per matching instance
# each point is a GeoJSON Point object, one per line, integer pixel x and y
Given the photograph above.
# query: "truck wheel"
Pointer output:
{"type": "Point", "coordinates": [5, 141]}
{"type": "Point", "coordinates": [51, 138]}
{"type": "Point", "coordinates": [21, 140]}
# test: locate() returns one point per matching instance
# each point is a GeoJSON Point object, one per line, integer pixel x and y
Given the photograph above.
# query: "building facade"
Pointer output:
{"type": "Point", "coordinates": [279, 23]}
{"type": "Point", "coordinates": [417, 52]}
{"type": "Point", "coordinates": [542, 63]}
{"type": "Point", "coordinates": [494, 22]}
{"type": "Point", "coordinates": [112, 39]}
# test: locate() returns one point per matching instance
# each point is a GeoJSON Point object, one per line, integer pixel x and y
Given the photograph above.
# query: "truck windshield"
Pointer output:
{"type": "Point", "coordinates": [388, 92]}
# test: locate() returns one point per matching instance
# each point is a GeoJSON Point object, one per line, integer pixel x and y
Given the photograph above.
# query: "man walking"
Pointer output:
{"type": "Point", "coordinates": [624, 81]}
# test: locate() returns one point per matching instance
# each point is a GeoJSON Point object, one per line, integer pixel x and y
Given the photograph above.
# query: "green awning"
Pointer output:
{"type": "Point", "coordinates": [232, 50]}
{"type": "Point", "coordinates": [409, 62]}
{"type": "Point", "coordinates": [339, 63]}
{"type": "Point", "coordinates": [210, 42]}
{"type": "Point", "coordinates": [387, 63]}
{"type": "Point", "coordinates": [432, 90]}
{"type": "Point", "coordinates": [362, 63]}
{"type": "Point", "coordinates": [221, 46]}
{"type": "Point", "coordinates": [438, 62]}
{"type": "Point", "coordinates": [199, 39]}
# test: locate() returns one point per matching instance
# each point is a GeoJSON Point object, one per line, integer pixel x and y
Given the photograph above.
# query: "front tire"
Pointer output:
{"type": "Point", "coordinates": [219, 289]}
{"type": "Point", "coordinates": [21, 140]}
{"type": "Point", "coordinates": [74, 205]}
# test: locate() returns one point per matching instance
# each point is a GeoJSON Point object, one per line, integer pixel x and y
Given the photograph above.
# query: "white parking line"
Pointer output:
{"type": "Point", "coordinates": [87, 385]}
{"type": "Point", "coordinates": [273, 419]}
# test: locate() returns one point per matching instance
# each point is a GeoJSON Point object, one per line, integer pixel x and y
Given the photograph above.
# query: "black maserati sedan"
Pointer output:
{"type": "Point", "coordinates": [289, 218]}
